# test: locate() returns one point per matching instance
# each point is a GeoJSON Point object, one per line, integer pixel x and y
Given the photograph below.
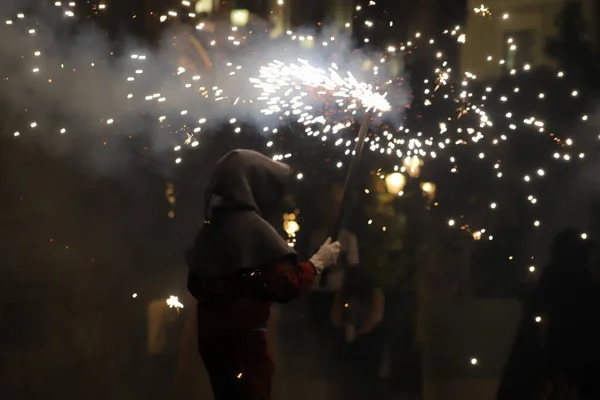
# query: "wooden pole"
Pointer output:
{"type": "Point", "coordinates": [358, 149]}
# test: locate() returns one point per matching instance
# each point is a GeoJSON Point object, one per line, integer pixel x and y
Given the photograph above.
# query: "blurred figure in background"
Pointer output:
{"type": "Point", "coordinates": [323, 336]}
{"type": "Point", "coordinates": [556, 352]}
{"type": "Point", "coordinates": [358, 309]}
{"type": "Point", "coordinates": [331, 281]}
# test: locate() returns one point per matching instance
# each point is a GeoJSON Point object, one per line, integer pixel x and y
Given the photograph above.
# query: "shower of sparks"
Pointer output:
{"type": "Point", "coordinates": [323, 101]}
{"type": "Point", "coordinates": [483, 11]}
{"type": "Point", "coordinates": [279, 81]}
{"type": "Point", "coordinates": [478, 125]}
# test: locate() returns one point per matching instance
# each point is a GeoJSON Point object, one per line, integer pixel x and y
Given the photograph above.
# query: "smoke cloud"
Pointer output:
{"type": "Point", "coordinates": [67, 87]}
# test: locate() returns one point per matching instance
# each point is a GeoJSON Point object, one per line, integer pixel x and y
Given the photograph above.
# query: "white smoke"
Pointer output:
{"type": "Point", "coordinates": [64, 78]}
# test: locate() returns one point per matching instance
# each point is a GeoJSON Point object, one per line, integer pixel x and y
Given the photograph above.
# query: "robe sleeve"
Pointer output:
{"type": "Point", "coordinates": [284, 282]}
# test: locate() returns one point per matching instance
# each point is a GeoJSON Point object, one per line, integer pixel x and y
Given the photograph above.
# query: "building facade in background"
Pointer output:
{"type": "Point", "coordinates": [513, 33]}
{"type": "Point", "coordinates": [285, 14]}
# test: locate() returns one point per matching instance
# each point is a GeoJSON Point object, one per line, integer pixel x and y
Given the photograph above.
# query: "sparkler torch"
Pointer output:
{"type": "Point", "coordinates": [279, 76]}
{"type": "Point", "coordinates": [360, 144]}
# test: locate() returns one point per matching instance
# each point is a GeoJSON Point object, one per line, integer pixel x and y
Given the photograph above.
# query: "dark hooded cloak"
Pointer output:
{"type": "Point", "coordinates": [245, 193]}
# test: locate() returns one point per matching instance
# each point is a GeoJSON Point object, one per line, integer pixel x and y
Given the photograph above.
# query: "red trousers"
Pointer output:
{"type": "Point", "coordinates": [238, 363]}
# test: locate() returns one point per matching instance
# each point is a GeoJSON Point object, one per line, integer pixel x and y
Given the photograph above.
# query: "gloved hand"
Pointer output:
{"type": "Point", "coordinates": [326, 256]}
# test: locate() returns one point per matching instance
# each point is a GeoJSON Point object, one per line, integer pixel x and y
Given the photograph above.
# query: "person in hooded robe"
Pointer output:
{"type": "Point", "coordinates": [240, 265]}
{"type": "Point", "coordinates": [555, 353]}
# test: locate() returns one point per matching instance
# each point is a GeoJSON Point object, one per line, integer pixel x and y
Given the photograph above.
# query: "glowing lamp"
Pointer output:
{"type": "Point", "coordinates": [291, 227]}
{"type": "Point", "coordinates": [239, 17]}
{"type": "Point", "coordinates": [394, 183]}
{"type": "Point", "coordinates": [428, 189]}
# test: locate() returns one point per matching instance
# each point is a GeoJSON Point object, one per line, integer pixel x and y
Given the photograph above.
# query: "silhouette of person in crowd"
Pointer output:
{"type": "Point", "coordinates": [556, 351]}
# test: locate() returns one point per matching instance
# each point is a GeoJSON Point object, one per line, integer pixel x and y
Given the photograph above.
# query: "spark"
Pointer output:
{"type": "Point", "coordinates": [173, 302]}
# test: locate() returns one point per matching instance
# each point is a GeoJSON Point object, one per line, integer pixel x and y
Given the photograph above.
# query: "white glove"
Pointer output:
{"type": "Point", "coordinates": [326, 256]}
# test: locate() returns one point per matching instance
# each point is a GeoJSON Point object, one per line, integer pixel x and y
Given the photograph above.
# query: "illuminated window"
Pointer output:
{"type": "Point", "coordinates": [204, 6]}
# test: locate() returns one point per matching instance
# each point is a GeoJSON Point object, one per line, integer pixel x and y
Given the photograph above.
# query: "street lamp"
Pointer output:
{"type": "Point", "coordinates": [394, 183]}
{"type": "Point", "coordinates": [239, 17]}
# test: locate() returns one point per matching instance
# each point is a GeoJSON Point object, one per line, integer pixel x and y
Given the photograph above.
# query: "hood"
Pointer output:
{"type": "Point", "coordinates": [247, 180]}
{"type": "Point", "coordinates": [244, 194]}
